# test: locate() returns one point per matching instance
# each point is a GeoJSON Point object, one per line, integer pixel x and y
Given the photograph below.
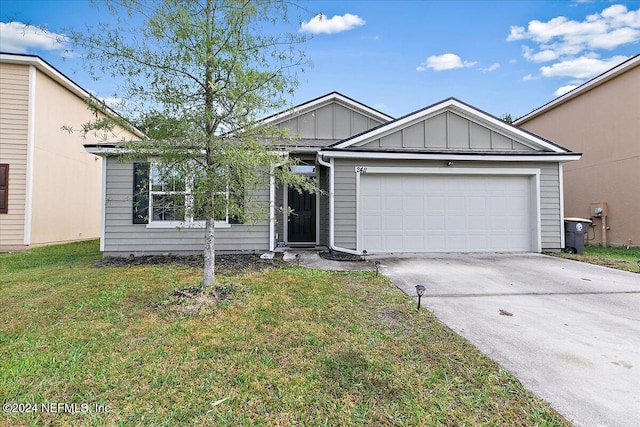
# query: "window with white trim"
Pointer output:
{"type": "Point", "coordinates": [172, 196]}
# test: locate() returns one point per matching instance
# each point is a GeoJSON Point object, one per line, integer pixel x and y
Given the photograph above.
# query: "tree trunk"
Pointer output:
{"type": "Point", "coordinates": [209, 254]}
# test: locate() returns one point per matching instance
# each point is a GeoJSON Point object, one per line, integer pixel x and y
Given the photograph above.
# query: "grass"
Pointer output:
{"type": "Point", "coordinates": [618, 258]}
{"type": "Point", "coordinates": [293, 346]}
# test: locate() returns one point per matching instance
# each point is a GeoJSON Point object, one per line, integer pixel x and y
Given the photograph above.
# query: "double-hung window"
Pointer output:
{"type": "Point", "coordinates": [175, 200]}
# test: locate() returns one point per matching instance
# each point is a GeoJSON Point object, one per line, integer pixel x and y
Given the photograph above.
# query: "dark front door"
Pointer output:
{"type": "Point", "coordinates": [302, 221]}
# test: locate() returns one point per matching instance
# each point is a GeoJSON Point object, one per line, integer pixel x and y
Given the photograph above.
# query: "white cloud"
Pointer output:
{"type": "Point", "coordinates": [542, 56]}
{"type": "Point", "coordinates": [320, 24]}
{"type": "Point", "coordinates": [513, 61]}
{"type": "Point", "coordinates": [447, 61]}
{"type": "Point", "coordinates": [581, 68]}
{"type": "Point", "coordinates": [614, 26]}
{"type": "Point", "coordinates": [564, 89]}
{"type": "Point", "coordinates": [574, 48]}
{"type": "Point", "coordinates": [490, 68]}
{"type": "Point", "coordinates": [17, 37]}
{"type": "Point", "coordinates": [527, 78]}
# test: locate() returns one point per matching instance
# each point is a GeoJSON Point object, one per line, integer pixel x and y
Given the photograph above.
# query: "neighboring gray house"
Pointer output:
{"type": "Point", "coordinates": [446, 178]}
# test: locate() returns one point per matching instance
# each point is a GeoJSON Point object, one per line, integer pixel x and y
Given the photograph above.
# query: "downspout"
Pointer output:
{"type": "Point", "coordinates": [332, 245]}
{"type": "Point", "coordinates": [272, 201]}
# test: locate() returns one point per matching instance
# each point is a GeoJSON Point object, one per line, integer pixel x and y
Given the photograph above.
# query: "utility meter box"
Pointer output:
{"type": "Point", "coordinates": [598, 209]}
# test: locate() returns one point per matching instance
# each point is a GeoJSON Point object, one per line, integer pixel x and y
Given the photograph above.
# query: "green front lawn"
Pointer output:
{"type": "Point", "coordinates": [619, 258]}
{"type": "Point", "coordinates": [291, 346]}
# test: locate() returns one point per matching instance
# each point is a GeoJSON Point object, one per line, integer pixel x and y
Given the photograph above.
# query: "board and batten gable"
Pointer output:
{"type": "Point", "coordinates": [345, 198]}
{"type": "Point", "coordinates": [123, 237]}
{"type": "Point", "coordinates": [446, 130]}
{"type": "Point", "coordinates": [14, 134]}
{"type": "Point", "coordinates": [331, 120]}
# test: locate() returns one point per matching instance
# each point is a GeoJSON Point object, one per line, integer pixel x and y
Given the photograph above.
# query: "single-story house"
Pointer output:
{"type": "Point", "coordinates": [50, 189]}
{"type": "Point", "coordinates": [446, 178]}
{"type": "Point", "coordinates": [600, 118]}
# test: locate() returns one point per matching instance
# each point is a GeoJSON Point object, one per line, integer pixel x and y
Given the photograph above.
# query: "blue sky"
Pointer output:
{"type": "Point", "coordinates": [399, 56]}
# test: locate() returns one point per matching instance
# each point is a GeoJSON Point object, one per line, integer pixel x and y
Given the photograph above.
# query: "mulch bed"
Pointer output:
{"type": "Point", "coordinates": [225, 263]}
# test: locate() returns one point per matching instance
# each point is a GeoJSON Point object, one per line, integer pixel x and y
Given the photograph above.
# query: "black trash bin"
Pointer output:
{"type": "Point", "coordinates": [574, 231]}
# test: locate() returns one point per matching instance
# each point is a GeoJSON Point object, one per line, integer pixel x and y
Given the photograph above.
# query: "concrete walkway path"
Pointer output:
{"type": "Point", "coordinates": [311, 259]}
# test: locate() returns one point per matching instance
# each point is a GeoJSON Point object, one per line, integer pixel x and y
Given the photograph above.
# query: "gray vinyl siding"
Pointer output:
{"type": "Point", "coordinates": [122, 237]}
{"type": "Point", "coordinates": [345, 195]}
{"type": "Point", "coordinates": [329, 121]}
{"type": "Point", "coordinates": [446, 130]}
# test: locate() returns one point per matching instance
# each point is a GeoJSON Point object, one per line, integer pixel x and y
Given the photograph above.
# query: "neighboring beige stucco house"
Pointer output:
{"type": "Point", "coordinates": [600, 119]}
{"type": "Point", "coordinates": [50, 187]}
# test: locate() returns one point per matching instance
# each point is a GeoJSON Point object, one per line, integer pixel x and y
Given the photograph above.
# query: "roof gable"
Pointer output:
{"type": "Point", "coordinates": [57, 76]}
{"type": "Point", "coordinates": [449, 125]}
{"type": "Point", "coordinates": [614, 72]}
{"type": "Point", "coordinates": [329, 117]}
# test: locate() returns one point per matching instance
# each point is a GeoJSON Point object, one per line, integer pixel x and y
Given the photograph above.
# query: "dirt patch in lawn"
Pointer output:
{"type": "Point", "coordinates": [227, 263]}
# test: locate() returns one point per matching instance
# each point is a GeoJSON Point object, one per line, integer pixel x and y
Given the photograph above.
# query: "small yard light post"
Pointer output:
{"type": "Point", "coordinates": [377, 265]}
{"type": "Point", "coordinates": [364, 255]}
{"type": "Point", "coordinates": [420, 290]}
{"type": "Point", "coordinates": [298, 259]}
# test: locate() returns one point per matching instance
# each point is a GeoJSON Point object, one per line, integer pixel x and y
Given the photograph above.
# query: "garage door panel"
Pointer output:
{"type": "Point", "coordinates": [393, 223]}
{"type": "Point", "coordinates": [438, 213]}
{"type": "Point", "coordinates": [414, 223]}
{"type": "Point", "coordinates": [372, 203]}
{"type": "Point", "coordinates": [371, 223]}
{"type": "Point", "coordinates": [413, 202]}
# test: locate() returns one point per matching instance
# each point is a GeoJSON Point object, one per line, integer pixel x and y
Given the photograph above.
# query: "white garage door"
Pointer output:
{"type": "Point", "coordinates": [445, 213]}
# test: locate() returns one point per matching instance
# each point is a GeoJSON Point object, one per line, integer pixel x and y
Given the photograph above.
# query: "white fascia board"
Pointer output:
{"type": "Point", "coordinates": [606, 76]}
{"type": "Point", "coordinates": [322, 100]}
{"type": "Point", "coordinates": [427, 156]}
{"type": "Point", "coordinates": [107, 151]}
{"type": "Point", "coordinates": [452, 104]}
{"type": "Point", "coordinates": [114, 151]}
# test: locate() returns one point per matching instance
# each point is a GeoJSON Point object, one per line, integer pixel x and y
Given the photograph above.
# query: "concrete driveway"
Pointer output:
{"type": "Point", "coordinates": [569, 331]}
